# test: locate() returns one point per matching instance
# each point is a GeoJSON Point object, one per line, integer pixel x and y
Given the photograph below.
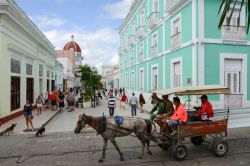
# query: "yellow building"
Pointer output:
{"type": "Point", "coordinates": [27, 60]}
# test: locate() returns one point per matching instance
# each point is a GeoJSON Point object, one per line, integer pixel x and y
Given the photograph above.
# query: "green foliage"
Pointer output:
{"type": "Point", "coordinates": [91, 80]}
{"type": "Point", "coordinates": [227, 5]}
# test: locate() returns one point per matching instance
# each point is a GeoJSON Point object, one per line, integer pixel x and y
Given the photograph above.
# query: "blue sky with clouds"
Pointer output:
{"type": "Point", "coordinates": [94, 24]}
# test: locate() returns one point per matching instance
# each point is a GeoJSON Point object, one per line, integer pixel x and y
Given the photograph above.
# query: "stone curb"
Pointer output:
{"type": "Point", "coordinates": [51, 118]}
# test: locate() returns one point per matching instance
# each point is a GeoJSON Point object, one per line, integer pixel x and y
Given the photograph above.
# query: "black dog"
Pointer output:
{"type": "Point", "coordinates": [40, 131]}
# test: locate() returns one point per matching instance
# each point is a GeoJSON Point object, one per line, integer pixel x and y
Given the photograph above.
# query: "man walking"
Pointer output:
{"type": "Point", "coordinates": [111, 104]}
{"type": "Point", "coordinates": [133, 102]}
{"type": "Point", "coordinates": [120, 92]}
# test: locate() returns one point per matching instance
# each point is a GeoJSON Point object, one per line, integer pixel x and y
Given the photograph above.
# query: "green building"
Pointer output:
{"type": "Point", "coordinates": [177, 43]}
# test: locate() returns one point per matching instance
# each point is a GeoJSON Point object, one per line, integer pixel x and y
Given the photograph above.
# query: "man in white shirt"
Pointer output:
{"type": "Point", "coordinates": [111, 104]}
{"type": "Point", "coordinates": [133, 102]}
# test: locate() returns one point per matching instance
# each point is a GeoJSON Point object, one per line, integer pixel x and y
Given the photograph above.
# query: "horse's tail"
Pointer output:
{"type": "Point", "coordinates": [149, 126]}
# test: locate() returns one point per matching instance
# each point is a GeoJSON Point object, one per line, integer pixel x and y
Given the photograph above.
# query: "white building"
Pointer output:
{"type": "Point", "coordinates": [27, 60]}
{"type": "Point", "coordinates": [110, 76]}
{"type": "Point", "coordinates": [59, 76]}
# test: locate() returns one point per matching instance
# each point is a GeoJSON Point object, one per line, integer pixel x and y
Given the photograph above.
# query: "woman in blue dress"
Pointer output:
{"type": "Point", "coordinates": [27, 112]}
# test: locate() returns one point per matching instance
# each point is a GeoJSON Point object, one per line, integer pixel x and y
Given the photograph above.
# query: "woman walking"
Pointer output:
{"type": "Point", "coordinates": [141, 101]}
{"type": "Point", "coordinates": [39, 104]}
{"type": "Point", "coordinates": [27, 111]}
{"type": "Point", "coordinates": [124, 99]}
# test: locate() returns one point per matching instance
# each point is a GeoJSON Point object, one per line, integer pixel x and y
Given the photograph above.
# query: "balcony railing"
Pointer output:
{"type": "Point", "coordinates": [141, 57]}
{"type": "Point", "coordinates": [131, 40]}
{"type": "Point", "coordinates": [154, 50]}
{"type": "Point", "coordinates": [176, 40]}
{"type": "Point", "coordinates": [140, 32]}
{"type": "Point", "coordinates": [153, 19]}
{"type": "Point", "coordinates": [230, 32]}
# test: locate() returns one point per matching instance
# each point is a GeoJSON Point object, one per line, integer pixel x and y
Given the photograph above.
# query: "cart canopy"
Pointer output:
{"type": "Point", "coordinates": [198, 90]}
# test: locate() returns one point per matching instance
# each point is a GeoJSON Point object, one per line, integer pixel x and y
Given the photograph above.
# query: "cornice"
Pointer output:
{"type": "Point", "coordinates": [14, 12]}
{"type": "Point", "coordinates": [135, 5]}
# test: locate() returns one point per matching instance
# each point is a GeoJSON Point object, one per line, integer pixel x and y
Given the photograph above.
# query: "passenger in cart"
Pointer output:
{"type": "Point", "coordinates": [205, 112]}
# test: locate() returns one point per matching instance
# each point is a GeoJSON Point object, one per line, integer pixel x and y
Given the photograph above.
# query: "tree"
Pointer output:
{"type": "Point", "coordinates": [229, 6]}
{"type": "Point", "coordinates": [91, 80]}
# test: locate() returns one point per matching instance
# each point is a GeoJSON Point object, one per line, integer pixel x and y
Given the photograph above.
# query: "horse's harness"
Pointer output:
{"type": "Point", "coordinates": [102, 126]}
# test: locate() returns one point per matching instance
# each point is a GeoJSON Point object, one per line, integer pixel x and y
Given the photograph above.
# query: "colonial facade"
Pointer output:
{"type": "Point", "coordinates": [71, 58]}
{"type": "Point", "coordinates": [110, 76]}
{"type": "Point", "coordinates": [59, 76]}
{"type": "Point", "coordinates": [27, 60]}
{"type": "Point", "coordinates": [176, 43]}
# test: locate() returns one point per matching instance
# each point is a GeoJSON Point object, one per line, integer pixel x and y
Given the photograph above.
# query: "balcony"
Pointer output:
{"type": "Point", "coordinates": [173, 5]}
{"type": "Point", "coordinates": [230, 32]}
{"type": "Point", "coordinates": [141, 57]}
{"type": "Point", "coordinates": [154, 51]}
{"type": "Point", "coordinates": [153, 19]}
{"type": "Point", "coordinates": [140, 32]}
{"type": "Point", "coordinates": [175, 40]}
{"type": "Point", "coordinates": [131, 40]}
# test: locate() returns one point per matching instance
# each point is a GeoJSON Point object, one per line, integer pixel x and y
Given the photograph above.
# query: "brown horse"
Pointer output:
{"type": "Point", "coordinates": [140, 127]}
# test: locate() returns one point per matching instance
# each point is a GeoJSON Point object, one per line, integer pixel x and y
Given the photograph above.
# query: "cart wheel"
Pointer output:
{"type": "Point", "coordinates": [220, 148]}
{"type": "Point", "coordinates": [197, 140]}
{"type": "Point", "coordinates": [180, 152]}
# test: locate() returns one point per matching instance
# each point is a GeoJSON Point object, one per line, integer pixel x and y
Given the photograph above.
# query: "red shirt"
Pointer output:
{"type": "Point", "coordinates": [207, 109]}
{"type": "Point", "coordinates": [53, 96]}
{"type": "Point", "coordinates": [124, 98]}
{"type": "Point", "coordinates": [180, 114]}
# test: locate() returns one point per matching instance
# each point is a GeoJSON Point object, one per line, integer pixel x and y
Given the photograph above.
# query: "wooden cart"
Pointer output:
{"type": "Point", "coordinates": [211, 132]}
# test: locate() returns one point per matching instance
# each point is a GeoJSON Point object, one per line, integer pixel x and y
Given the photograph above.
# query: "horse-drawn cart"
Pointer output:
{"type": "Point", "coordinates": [211, 132]}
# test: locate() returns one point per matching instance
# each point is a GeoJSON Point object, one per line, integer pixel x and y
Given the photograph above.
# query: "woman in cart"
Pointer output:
{"type": "Point", "coordinates": [179, 116]}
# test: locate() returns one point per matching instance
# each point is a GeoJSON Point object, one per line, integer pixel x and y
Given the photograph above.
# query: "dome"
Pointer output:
{"type": "Point", "coordinates": [72, 45]}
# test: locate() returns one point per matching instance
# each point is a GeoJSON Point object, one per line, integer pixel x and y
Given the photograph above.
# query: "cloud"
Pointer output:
{"type": "Point", "coordinates": [48, 21]}
{"type": "Point", "coordinates": [98, 47]}
{"type": "Point", "coordinates": [118, 10]}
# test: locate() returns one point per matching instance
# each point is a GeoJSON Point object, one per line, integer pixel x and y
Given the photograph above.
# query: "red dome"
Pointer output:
{"type": "Point", "coordinates": [72, 44]}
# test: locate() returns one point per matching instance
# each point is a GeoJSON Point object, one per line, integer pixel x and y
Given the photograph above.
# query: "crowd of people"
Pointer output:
{"type": "Point", "coordinates": [53, 101]}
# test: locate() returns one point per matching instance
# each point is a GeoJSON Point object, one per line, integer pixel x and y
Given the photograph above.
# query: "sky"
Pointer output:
{"type": "Point", "coordinates": [94, 23]}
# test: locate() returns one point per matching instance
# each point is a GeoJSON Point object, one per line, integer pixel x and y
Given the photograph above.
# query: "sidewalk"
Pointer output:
{"type": "Point", "coordinates": [38, 120]}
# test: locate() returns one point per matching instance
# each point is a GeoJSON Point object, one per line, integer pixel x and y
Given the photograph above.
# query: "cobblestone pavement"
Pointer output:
{"type": "Point", "coordinates": [67, 148]}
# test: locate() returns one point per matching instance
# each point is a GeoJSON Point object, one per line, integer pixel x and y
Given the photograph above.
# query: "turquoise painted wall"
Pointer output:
{"type": "Point", "coordinates": [167, 34]}
{"type": "Point", "coordinates": [212, 61]}
{"type": "Point", "coordinates": [186, 23]}
{"type": "Point", "coordinates": [156, 61]}
{"type": "Point", "coordinates": [186, 54]}
{"type": "Point", "coordinates": [212, 19]}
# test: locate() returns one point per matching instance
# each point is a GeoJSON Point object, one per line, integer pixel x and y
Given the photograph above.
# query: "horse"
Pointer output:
{"type": "Point", "coordinates": [140, 127]}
